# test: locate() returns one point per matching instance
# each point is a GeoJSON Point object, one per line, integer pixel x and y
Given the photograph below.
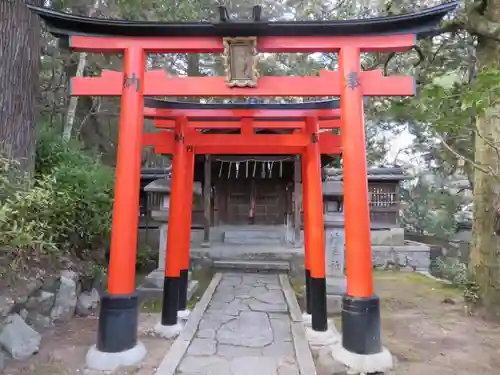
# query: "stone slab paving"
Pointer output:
{"type": "Point", "coordinates": [245, 330]}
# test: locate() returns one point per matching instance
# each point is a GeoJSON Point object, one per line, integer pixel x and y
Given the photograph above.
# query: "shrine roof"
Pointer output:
{"type": "Point", "coordinates": [421, 23]}
{"type": "Point", "coordinates": [172, 104]}
{"type": "Point", "coordinates": [333, 104]}
{"type": "Point", "coordinates": [164, 185]}
{"type": "Point", "coordinates": [374, 174]}
{"type": "Point", "coordinates": [148, 173]}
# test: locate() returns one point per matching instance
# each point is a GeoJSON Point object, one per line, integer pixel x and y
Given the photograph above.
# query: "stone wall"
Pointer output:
{"type": "Point", "coordinates": [26, 314]}
{"type": "Point", "coordinates": [413, 256]}
{"type": "Point", "coordinates": [388, 253]}
{"type": "Point", "coordinates": [279, 236]}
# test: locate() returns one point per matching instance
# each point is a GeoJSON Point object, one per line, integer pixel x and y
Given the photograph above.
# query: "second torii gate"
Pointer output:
{"type": "Point", "coordinates": [183, 121]}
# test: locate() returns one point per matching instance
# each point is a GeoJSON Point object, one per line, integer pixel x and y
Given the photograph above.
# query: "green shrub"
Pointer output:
{"type": "Point", "coordinates": [458, 273]}
{"type": "Point", "coordinates": [68, 206]}
{"type": "Point", "coordinates": [85, 220]}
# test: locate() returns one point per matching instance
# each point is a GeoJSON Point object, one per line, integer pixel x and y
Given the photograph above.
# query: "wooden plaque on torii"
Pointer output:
{"type": "Point", "coordinates": [240, 61]}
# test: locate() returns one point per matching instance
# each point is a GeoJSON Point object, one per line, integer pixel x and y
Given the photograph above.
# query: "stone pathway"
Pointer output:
{"type": "Point", "coordinates": [246, 330]}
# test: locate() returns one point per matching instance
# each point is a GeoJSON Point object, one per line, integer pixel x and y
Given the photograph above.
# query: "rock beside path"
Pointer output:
{"type": "Point", "coordinates": [35, 308]}
{"type": "Point", "coordinates": [66, 298]}
{"type": "Point", "coordinates": [19, 339]}
{"type": "Point", "coordinates": [87, 302]}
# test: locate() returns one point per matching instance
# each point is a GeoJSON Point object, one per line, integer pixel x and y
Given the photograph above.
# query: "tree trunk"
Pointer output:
{"type": "Point", "coordinates": [73, 102]}
{"type": "Point", "coordinates": [19, 80]}
{"type": "Point", "coordinates": [485, 254]}
{"type": "Point", "coordinates": [193, 65]}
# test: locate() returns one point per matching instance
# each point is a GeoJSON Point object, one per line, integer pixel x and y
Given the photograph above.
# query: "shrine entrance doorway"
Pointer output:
{"type": "Point", "coordinates": [252, 202]}
{"type": "Point", "coordinates": [269, 202]}
{"type": "Point", "coordinates": [251, 190]}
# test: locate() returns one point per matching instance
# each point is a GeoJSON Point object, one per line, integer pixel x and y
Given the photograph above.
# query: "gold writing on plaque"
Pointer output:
{"type": "Point", "coordinates": [240, 61]}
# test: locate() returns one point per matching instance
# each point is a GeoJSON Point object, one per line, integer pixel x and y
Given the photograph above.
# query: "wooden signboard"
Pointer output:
{"type": "Point", "coordinates": [240, 61]}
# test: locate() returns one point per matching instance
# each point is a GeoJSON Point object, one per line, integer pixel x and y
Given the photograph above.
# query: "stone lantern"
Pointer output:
{"type": "Point", "coordinates": [159, 202]}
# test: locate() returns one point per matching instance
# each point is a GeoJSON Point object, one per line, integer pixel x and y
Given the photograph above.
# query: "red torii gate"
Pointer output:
{"type": "Point", "coordinates": [247, 122]}
{"type": "Point", "coordinates": [293, 118]}
{"type": "Point", "coordinates": [119, 307]}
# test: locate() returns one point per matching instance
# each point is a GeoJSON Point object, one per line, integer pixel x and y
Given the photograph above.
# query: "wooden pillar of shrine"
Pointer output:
{"type": "Point", "coordinates": [307, 244]}
{"type": "Point", "coordinates": [175, 236]}
{"type": "Point", "coordinates": [360, 306]}
{"type": "Point", "coordinates": [314, 227]}
{"type": "Point", "coordinates": [118, 316]}
{"type": "Point", "coordinates": [207, 192]}
{"type": "Point", "coordinates": [186, 242]}
{"type": "Point", "coordinates": [297, 198]}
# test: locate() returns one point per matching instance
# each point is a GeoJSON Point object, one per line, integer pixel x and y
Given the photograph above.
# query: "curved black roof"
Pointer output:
{"type": "Point", "coordinates": [172, 104]}
{"type": "Point", "coordinates": [374, 173]}
{"type": "Point", "coordinates": [421, 23]}
{"type": "Point", "coordinates": [312, 105]}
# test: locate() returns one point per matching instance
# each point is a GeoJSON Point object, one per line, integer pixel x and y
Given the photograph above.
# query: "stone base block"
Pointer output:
{"type": "Point", "coordinates": [168, 332]}
{"type": "Point", "coordinates": [256, 235]}
{"type": "Point", "coordinates": [333, 303]}
{"type": "Point", "coordinates": [411, 256]}
{"type": "Point", "coordinates": [252, 265]}
{"type": "Point", "coordinates": [320, 339]}
{"type": "Point", "coordinates": [363, 363]}
{"type": "Point", "coordinates": [152, 288]}
{"type": "Point", "coordinates": [183, 314]}
{"type": "Point", "coordinates": [101, 361]}
{"type": "Point", "coordinates": [307, 319]}
{"type": "Point", "coordinates": [388, 237]}
{"type": "Point", "coordinates": [155, 279]}
{"type": "Point", "coordinates": [336, 285]}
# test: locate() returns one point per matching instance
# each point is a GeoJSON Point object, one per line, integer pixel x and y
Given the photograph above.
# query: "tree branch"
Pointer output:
{"type": "Point", "coordinates": [471, 162]}
{"type": "Point", "coordinates": [418, 50]}
{"type": "Point", "coordinates": [472, 19]}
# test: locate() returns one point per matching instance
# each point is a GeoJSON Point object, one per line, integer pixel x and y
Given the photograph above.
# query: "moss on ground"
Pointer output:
{"type": "Point", "coordinates": [297, 284]}
{"type": "Point", "coordinates": [151, 306]}
{"type": "Point", "coordinates": [204, 277]}
{"type": "Point", "coordinates": [422, 285]}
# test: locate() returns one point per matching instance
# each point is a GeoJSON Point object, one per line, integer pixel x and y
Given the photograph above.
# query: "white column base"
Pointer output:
{"type": "Point", "coordinates": [101, 361]}
{"type": "Point", "coordinates": [320, 339]}
{"type": "Point", "coordinates": [183, 314]}
{"type": "Point", "coordinates": [307, 319]}
{"type": "Point", "coordinates": [363, 363]}
{"type": "Point", "coordinates": [168, 332]}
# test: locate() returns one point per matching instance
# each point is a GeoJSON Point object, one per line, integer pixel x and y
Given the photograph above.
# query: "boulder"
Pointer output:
{"type": "Point", "coordinates": [38, 321]}
{"type": "Point", "coordinates": [87, 302]}
{"type": "Point", "coordinates": [66, 298]}
{"type": "Point", "coordinates": [23, 313]}
{"type": "Point", "coordinates": [41, 302]}
{"type": "Point", "coordinates": [19, 339]}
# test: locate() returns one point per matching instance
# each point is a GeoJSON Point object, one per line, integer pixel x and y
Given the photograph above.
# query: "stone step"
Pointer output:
{"type": "Point", "coordinates": [252, 265]}
{"type": "Point", "coordinates": [147, 292]}
{"type": "Point", "coordinates": [257, 237]}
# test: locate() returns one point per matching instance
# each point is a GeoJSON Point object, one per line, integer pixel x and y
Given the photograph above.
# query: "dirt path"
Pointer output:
{"type": "Point", "coordinates": [425, 326]}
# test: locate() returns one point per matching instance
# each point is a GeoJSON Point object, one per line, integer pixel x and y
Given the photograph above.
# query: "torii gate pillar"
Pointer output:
{"type": "Point", "coordinates": [361, 334]}
{"type": "Point", "coordinates": [118, 318]}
